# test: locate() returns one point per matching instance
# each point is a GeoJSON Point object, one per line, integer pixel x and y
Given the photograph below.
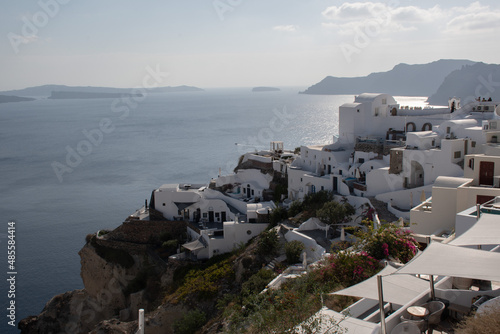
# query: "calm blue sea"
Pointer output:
{"type": "Point", "coordinates": [166, 138]}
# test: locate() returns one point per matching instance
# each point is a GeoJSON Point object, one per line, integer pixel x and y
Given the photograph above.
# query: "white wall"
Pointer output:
{"type": "Point", "coordinates": [234, 235]}
{"type": "Point", "coordinates": [313, 251]}
{"type": "Point", "coordinates": [379, 181]}
{"type": "Point", "coordinates": [442, 216]}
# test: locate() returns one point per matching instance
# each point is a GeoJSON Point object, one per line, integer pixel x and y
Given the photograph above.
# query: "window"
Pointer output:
{"type": "Point", "coordinates": [473, 144]}
{"type": "Point", "coordinates": [252, 192]}
{"type": "Point", "coordinates": [471, 163]}
{"type": "Point", "coordinates": [217, 215]}
{"type": "Point", "coordinates": [322, 188]}
{"type": "Point", "coordinates": [244, 190]}
{"type": "Point", "coordinates": [493, 125]}
{"type": "Point", "coordinates": [384, 101]}
{"type": "Point", "coordinates": [457, 154]}
{"type": "Point", "coordinates": [205, 215]}
{"type": "Point", "coordinates": [361, 160]}
{"type": "Point", "coordinates": [376, 111]}
{"type": "Point", "coordinates": [329, 158]}
{"type": "Point", "coordinates": [448, 129]}
{"type": "Point", "coordinates": [313, 189]}
{"type": "Point", "coordinates": [249, 232]}
{"type": "Point", "coordinates": [340, 172]}
{"type": "Point", "coordinates": [433, 142]}
{"type": "Point", "coordinates": [163, 204]}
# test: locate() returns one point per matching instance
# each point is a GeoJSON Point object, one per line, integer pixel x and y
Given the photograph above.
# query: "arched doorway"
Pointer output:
{"type": "Point", "coordinates": [417, 175]}
{"type": "Point", "coordinates": [410, 127]}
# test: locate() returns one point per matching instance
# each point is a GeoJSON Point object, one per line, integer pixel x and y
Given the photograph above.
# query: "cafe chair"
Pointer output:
{"type": "Point", "coordinates": [420, 323]}
{"type": "Point", "coordinates": [436, 309]}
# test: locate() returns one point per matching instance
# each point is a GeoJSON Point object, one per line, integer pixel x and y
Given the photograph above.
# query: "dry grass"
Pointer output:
{"type": "Point", "coordinates": [480, 324]}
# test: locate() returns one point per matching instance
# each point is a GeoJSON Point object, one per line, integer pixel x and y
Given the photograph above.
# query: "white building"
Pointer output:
{"type": "Point", "coordinates": [392, 152]}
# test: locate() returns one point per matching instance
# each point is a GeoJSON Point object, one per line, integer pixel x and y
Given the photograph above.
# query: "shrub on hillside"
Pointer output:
{"type": "Point", "coordinates": [293, 251]}
{"type": "Point", "coordinates": [190, 322]}
{"type": "Point", "coordinates": [268, 243]}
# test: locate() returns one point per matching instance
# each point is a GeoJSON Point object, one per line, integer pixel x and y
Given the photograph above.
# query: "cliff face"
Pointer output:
{"type": "Point", "coordinates": [121, 274]}
{"type": "Point", "coordinates": [79, 311]}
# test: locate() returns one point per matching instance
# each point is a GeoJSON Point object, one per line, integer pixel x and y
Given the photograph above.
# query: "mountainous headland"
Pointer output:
{"type": "Point", "coordinates": [403, 79]}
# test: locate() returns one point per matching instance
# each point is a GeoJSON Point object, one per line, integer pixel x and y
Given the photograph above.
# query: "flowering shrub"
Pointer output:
{"type": "Point", "coordinates": [389, 241]}
{"type": "Point", "coordinates": [348, 268]}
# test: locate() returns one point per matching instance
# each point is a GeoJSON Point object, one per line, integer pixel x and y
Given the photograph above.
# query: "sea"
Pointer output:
{"type": "Point", "coordinates": [72, 167]}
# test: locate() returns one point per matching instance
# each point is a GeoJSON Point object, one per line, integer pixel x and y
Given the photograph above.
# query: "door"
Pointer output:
{"type": "Point", "coordinates": [223, 216]}
{"type": "Point", "coordinates": [335, 187]}
{"type": "Point", "coordinates": [481, 199]}
{"type": "Point", "coordinates": [211, 216]}
{"type": "Point", "coordinates": [486, 171]}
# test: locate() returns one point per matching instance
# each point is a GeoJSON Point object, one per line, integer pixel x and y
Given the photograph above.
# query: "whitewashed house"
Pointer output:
{"type": "Point", "coordinates": [392, 152]}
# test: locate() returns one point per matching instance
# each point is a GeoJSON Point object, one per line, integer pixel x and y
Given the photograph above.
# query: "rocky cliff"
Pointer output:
{"type": "Point", "coordinates": [122, 271]}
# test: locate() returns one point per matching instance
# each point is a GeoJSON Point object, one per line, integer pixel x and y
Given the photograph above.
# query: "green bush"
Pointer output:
{"type": "Point", "coordinates": [278, 215]}
{"type": "Point", "coordinates": [335, 212]}
{"type": "Point", "coordinates": [293, 251]}
{"type": "Point", "coordinates": [268, 243]}
{"type": "Point", "coordinates": [190, 322]}
{"type": "Point", "coordinates": [315, 201]}
{"type": "Point", "coordinates": [170, 245]}
{"type": "Point", "coordinates": [257, 282]}
{"type": "Point", "coordinates": [295, 208]}
{"type": "Point", "coordinates": [205, 283]}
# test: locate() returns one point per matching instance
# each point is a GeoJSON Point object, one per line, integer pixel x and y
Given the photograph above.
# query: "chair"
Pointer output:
{"type": "Point", "coordinates": [436, 309]}
{"type": "Point", "coordinates": [419, 322]}
{"type": "Point", "coordinates": [406, 327]}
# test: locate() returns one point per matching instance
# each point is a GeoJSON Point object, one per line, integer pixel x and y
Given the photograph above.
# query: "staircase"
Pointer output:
{"type": "Point", "coordinates": [383, 213]}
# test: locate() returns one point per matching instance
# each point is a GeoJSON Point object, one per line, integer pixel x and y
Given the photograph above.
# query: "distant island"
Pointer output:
{"type": "Point", "coordinates": [403, 79]}
{"type": "Point", "coordinates": [46, 90]}
{"type": "Point", "coordinates": [88, 95]}
{"type": "Point", "coordinates": [265, 89]}
{"type": "Point", "coordinates": [11, 98]}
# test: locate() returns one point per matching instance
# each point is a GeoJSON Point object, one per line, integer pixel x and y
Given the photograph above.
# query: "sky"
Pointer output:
{"type": "Point", "coordinates": [234, 43]}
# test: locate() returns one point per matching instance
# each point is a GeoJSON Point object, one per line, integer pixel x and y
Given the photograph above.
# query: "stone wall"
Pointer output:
{"type": "Point", "coordinates": [145, 231]}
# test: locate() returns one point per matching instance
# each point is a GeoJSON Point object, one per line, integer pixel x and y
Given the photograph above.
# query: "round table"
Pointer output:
{"type": "Point", "coordinates": [418, 311]}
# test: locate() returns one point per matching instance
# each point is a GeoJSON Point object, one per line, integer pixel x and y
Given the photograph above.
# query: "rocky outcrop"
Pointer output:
{"type": "Point", "coordinates": [121, 273]}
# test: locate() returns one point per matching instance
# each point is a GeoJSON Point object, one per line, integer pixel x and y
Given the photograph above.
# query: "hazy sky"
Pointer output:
{"type": "Point", "coordinates": [241, 43]}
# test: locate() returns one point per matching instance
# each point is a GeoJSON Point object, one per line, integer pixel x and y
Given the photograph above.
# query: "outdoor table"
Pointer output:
{"type": "Point", "coordinates": [418, 311]}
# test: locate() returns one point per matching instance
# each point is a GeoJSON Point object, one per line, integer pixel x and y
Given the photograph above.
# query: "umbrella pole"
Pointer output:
{"type": "Point", "coordinates": [433, 293]}
{"type": "Point", "coordinates": [381, 304]}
